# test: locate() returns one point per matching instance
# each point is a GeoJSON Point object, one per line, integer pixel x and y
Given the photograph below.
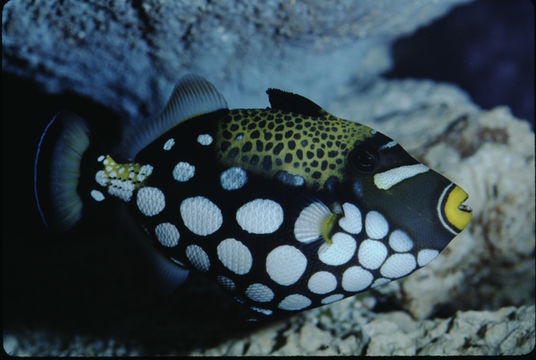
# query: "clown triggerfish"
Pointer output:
{"type": "Point", "coordinates": [286, 208]}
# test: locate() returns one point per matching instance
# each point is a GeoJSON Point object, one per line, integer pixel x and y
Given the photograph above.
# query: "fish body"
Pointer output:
{"type": "Point", "coordinates": [286, 208]}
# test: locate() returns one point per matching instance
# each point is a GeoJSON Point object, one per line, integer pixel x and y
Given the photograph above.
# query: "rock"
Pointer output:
{"type": "Point", "coordinates": [127, 55]}
{"type": "Point", "coordinates": [507, 331]}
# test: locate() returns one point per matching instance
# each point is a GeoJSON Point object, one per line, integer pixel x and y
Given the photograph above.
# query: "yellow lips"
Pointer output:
{"type": "Point", "coordinates": [457, 213]}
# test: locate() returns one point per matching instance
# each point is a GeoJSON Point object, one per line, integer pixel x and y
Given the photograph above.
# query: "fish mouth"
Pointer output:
{"type": "Point", "coordinates": [455, 213]}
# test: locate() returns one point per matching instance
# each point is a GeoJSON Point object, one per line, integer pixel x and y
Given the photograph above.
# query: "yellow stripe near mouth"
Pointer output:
{"type": "Point", "coordinates": [455, 216]}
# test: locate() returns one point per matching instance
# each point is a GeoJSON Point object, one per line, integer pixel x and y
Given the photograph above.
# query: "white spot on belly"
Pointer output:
{"type": "Point", "coordinates": [387, 179]}
{"type": "Point", "coordinates": [398, 265]}
{"type": "Point", "coordinates": [371, 254]}
{"type": "Point", "coordinates": [198, 257]}
{"type": "Point", "coordinates": [167, 234]}
{"type": "Point", "coordinates": [356, 278]}
{"type": "Point", "coordinates": [169, 144]}
{"type": "Point", "coordinates": [400, 241]}
{"type": "Point", "coordinates": [226, 283]}
{"type": "Point", "coordinates": [294, 302]}
{"type": "Point", "coordinates": [376, 225]}
{"type": "Point", "coordinates": [308, 226]}
{"type": "Point", "coordinates": [332, 298]}
{"type": "Point", "coordinates": [351, 222]}
{"type": "Point", "coordinates": [425, 256]}
{"type": "Point", "coordinates": [233, 178]}
{"type": "Point", "coordinates": [204, 139]}
{"type": "Point", "coordinates": [259, 292]}
{"type": "Point", "coordinates": [339, 251]}
{"type": "Point", "coordinates": [322, 282]}
{"type": "Point", "coordinates": [183, 171]}
{"type": "Point", "coordinates": [285, 264]}
{"type": "Point", "coordinates": [235, 256]}
{"type": "Point", "coordinates": [200, 215]}
{"type": "Point", "coordinates": [150, 200]}
{"type": "Point", "coordinates": [260, 216]}
{"type": "Point", "coordinates": [97, 195]}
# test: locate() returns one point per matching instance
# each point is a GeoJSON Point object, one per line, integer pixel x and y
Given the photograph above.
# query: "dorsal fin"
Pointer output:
{"type": "Point", "coordinates": [288, 101]}
{"type": "Point", "coordinates": [193, 95]}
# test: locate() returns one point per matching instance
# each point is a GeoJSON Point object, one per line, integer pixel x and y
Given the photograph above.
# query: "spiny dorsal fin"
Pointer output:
{"type": "Point", "coordinates": [193, 95]}
{"type": "Point", "coordinates": [288, 101]}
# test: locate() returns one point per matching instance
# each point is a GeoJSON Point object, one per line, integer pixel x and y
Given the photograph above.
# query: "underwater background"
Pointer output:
{"type": "Point", "coordinates": [452, 81]}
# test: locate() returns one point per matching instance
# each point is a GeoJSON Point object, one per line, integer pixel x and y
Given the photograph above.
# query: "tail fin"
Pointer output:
{"type": "Point", "coordinates": [57, 170]}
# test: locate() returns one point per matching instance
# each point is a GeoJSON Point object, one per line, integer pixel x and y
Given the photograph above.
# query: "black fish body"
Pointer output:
{"type": "Point", "coordinates": [287, 208]}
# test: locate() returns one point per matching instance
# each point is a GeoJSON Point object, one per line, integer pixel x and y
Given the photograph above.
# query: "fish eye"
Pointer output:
{"type": "Point", "coordinates": [364, 158]}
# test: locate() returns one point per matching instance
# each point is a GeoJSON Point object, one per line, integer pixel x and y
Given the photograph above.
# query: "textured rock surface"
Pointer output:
{"type": "Point", "coordinates": [127, 55]}
{"type": "Point", "coordinates": [477, 298]}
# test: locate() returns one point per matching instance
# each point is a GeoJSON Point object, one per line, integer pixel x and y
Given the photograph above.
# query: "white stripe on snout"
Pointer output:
{"type": "Point", "coordinates": [387, 179]}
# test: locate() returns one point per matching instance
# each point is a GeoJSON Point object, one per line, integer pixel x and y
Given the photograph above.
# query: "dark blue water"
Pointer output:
{"type": "Point", "coordinates": [486, 47]}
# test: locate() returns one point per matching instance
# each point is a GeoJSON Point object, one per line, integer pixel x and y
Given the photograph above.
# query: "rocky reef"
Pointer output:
{"type": "Point", "coordinates": [119, 61]}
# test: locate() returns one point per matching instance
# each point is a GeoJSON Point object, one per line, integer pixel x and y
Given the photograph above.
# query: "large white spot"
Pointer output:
{"type": "Point", "coordinates": [285, 264]}
{"type": "Point", "coordinates": [226, 283]}
{"type": "Point", "coordinates": [294, 302]}
{"type": "Point", "coordinates": [332, 298]}
{"type": "Point", "coordinates": [351, 222]}
{"type": "Point", "coordinates": [169, 144]}
{"type": "Point", "coordinates": [398, 265]}
{"type": "Point", "coordinates": [385, 180]}
{"type": "Point", "coordinates": [259, 292]}
{"type": "Point", "coordinates": [150, 200]}
{"type": "Point", "coordinates": [355, 278]}
{"type": "Point", "coordinates": [233, 178]}
{"type": "Point", "coordinates": [167, 234]}
{"type": "Point", "coordinates": [260, 216]}
{"type": "Point", "coordinates": [400, 241]}
{"type": "Point", "coordinates": [376, 225]}
{"type": "Point", "coordinates": [183, 171]}
{"type": "Point", "coordinates": [200, 215]}
{"type": "Point", "coordinates": [198, 257]}
{"type": "Point", "coordinates": [308, 226]}
{"type": "Point", "coordinates": [204, 139]}
{"type": "Point", "coordinates": [322, 282]}
{"type": "Point", "coordinates": [97, 195]}
{"type": "Point", "coordinates": [371, 254]}
{"type": "Point", "coordinates": [235, 256]}
{"type": "Point", "coordinates": [339, 251]}
{"type": "Point", "coordinates": [425, 256]}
